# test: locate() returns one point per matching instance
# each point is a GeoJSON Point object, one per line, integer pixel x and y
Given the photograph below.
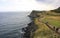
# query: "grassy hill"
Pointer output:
{"type": "Point", "coordinates": [56, 10]}
{"type": "Point", "coordinates": [53, 18]}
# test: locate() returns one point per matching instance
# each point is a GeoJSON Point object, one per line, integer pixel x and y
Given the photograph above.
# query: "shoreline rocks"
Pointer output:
{"type": "Point", "coordinates": [29, 30]}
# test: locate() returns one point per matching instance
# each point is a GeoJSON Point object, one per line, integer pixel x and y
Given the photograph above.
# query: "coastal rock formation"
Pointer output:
{"type": "Point", "coordinates": [35, 14]}
{"type": "Point", "coordinates": [29, 29]}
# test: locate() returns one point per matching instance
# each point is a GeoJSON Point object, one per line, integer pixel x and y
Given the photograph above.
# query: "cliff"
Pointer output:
{"type": "Point", "coordinates": [29, 30]}
{"type": "Point", "coordinates": [38, 29]}
{"type": "Point", "coordinates": [35, 13]}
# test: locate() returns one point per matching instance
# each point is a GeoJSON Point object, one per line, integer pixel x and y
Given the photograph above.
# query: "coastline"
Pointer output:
{"type": "Point", "coordinates": [31, 28]}
{"type": "Point", "coordinates": [43, 24]}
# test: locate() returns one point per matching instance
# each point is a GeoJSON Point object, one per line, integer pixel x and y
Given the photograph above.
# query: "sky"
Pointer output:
{"type": "Point", "coordinates": [28, 5]}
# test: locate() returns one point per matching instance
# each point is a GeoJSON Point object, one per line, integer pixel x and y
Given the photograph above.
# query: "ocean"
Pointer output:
{"type": "Point", "coordinates": [11, 24]}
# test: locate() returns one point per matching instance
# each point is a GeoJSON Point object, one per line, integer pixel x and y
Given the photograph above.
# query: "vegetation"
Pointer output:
{"type": "Point", "coordinates": [56, 10]}
{"type": "Point", "coordinates": [53, 18]}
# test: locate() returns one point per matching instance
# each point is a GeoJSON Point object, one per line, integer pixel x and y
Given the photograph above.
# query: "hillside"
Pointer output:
{"type": "Point", "coordinates": [56, 10]}
{"type": "Point", "coordinates": [41, 18]}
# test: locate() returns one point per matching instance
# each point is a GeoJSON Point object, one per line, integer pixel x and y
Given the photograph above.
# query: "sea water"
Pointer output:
{"type": "Point", "coordinates": [11, 24]}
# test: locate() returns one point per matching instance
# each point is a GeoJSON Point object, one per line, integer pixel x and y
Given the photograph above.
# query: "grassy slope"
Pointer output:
{"type": "Point", "coordinates": [53, 20]}
{"type": "Point", "coordinates": [43, 31]}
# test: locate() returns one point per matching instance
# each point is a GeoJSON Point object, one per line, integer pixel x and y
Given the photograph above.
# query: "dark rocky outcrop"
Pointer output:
{"type": "Point", "coordinates": [35, 14]}
{"type": "Point", "coordinates": [29, 29]}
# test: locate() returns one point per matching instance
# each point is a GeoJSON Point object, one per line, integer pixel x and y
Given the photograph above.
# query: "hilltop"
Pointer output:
{"type": "Point", "coordinates": [56, 10]}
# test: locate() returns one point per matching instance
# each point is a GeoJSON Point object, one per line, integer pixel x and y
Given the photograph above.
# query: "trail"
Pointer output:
{"type": "Point", "coordinates": [56, 29]}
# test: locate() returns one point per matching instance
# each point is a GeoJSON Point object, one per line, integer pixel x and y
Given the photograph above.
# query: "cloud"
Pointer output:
{"type": "Point", "coordinates": [24, 5]}
{"type": "Point", "coordinates": [55, 3]}
{"type": "Point", "coordinates": [45, 1]}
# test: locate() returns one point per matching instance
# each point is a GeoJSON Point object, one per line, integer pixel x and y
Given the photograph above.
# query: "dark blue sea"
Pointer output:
{"type": "Point", "coordinates": [11, 24]}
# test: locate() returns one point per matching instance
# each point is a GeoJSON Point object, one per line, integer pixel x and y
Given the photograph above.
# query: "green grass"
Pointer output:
{"type": "Point", "coordinates": [52, 22]}
{"type": "Point", "coordinates": [43, 31]}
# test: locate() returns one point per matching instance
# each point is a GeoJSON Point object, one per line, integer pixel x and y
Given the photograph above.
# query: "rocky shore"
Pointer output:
{"type": "Point", "coordinates": [29, 30]}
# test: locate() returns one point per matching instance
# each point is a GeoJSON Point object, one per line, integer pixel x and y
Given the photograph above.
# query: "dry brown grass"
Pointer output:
{"type": "Point", "coordinates": [43, 31]}
{"type": "Point", "coordinates": [54, 17]}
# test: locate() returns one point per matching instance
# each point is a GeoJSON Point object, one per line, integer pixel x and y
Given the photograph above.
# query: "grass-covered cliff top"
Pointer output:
{"type": "Point", "coordinates": [52, 17]}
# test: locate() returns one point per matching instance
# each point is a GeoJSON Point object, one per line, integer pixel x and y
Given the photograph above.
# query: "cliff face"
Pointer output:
{"type": "Point", "coordinates": [34, 14]}
{"type": "Point", "coordinates": [32, 27]}
{"type": "Point", "coordinates": [29, 30]}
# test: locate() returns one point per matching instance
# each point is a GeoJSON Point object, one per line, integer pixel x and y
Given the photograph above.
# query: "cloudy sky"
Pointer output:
{"type": "Point", "coordinates": [28, 5]}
